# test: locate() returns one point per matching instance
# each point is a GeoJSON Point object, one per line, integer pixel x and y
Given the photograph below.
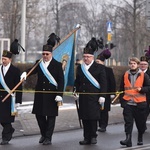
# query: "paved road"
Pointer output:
{"type": "Point", "coordinates": [69, 140]}
{"type": "Point", "coordinates": [67, 131]}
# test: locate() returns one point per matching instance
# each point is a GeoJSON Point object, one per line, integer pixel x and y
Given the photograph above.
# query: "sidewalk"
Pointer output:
{"type": "Point", "coordinates": [26, 124]}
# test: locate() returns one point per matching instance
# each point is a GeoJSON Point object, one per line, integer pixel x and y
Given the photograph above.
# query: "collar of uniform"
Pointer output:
{"type": "Point", "coordinates": [6, 67]}
{"type": "Point", "coordinates": [88, 66]}
{"type": "Point", "coordinates": [47, 62]}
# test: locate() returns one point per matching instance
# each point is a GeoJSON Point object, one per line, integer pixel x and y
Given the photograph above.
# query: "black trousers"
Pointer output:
{"type": "Point", "coordinates": [103, 122]}
{"type": "Point", "coordinates": [132, 113]}
{"type": "Point", "coordinates": [89, 129]}
{"type": "Point", "coordinates": [46, 125]}
{"type": "Point", "coordinates": [7, 131]}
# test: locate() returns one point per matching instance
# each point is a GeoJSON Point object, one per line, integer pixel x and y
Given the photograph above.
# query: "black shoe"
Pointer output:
{"type": "Point", "coordinates": [47, 142]}
{"type": "Point", "coordinates": [10, 137]}
{"type": "Point", "coordinates": [93, 140]}
{"type": "Point", "coordinates": [127, 141]}
{"type": "Point", "coordinates": [102, 129]}
{"type": "Point", "coordinates": [42, 139]}
{"type": "Point", "coordinates": [140, 143]}
{"type": "Point", "coordinates": [140, 139]}
{"type": "Point", "coordinates": [85, 142]}
{"type": "Point", "coordinates": [4, 142]}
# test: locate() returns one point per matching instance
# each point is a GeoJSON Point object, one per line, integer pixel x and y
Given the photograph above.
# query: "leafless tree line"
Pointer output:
{"type": "Point", "coordinates": [129, 31]}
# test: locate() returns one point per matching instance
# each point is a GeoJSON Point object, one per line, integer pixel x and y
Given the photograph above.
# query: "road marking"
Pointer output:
{"type": "Point", "coordinates": [143, 147]}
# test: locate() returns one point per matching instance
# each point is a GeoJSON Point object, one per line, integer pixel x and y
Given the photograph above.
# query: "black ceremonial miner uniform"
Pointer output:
{"type": "Point", "coordinates": [89, 108]}
{"type": "Point", "coordinates": [111, 87]}
{"type": "Point", "coordinates": [44, 103]}
{"type": "Point", "coordinates": [12, 78]}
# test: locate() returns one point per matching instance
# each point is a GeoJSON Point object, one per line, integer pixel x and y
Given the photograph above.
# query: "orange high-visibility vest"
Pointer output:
{"type": "Point", "coordinates": [130, 92]}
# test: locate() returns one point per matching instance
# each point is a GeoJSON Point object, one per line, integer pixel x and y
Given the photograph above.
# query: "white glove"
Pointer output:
{"type": "Point", "coordinates": [76, 95]}
{"type": "Point", "coordinates": [112, 96]}
{"type": "Point", "coordinates": [23, 76]}
{"type": "Point", "coordinates": [58, 98]}
{"type": "Point", "coordinates": [101, 100]}
{"type": "Point", "coordinates": [17, 105]}
{"type": "Point", "coordinates": [78, 25]}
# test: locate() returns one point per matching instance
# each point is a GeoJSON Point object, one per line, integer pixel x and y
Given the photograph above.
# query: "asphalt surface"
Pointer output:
{"type": "Point", "coordinates": [68, 133]}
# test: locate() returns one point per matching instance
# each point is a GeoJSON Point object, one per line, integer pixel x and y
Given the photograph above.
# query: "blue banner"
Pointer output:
{"type": "Point", "coordinates": [64, 53]}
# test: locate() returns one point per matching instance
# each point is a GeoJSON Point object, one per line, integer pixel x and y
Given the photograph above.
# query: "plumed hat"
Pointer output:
{"type": "Point", "coordinates": [47, 48]}
{"type": "Point", "coordinates": [88, 51]}
{"type": "Point", "coordinates": [7, 54]}
{"type": "Point", "coordinates": [105, 54]}
{"type": "Point", "coordinates": [53, 39]}
{"type": "Point", "coordinates": [144, 58]}
{"type": "Point", "coordinates": [14, 47]}
{"type": "Point", "coordinates": [91, 46]}
{"type": "Point", "coordinates": [147, 53]}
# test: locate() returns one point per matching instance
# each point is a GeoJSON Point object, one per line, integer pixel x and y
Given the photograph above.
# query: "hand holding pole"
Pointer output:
{"type": "Point", "coordinates": [21, 81]}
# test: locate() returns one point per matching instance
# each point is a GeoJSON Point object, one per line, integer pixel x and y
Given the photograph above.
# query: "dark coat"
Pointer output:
{"type": "Point", "coordinates": [44, 103]}
{"type": "Point", "coordinates": [148, 94]}
{"type": "Point", "coordinates": [111, 87]}
{"type": "Point", "coordinates": [89, 107]}
{"type": "Point", "coordinates": [12, 78]}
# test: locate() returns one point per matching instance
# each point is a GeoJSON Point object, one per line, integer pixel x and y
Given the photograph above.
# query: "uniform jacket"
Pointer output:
{"type": "Point", "coordinates": [144, 89]}
{"type": "Point", "coordinates": [89, 107]}
{"type": "Point", "coordinates": [111, 87]}
{"type": "Point", "coordinates": [44, 103]}
{"type": "Point", "coordinates": [148, 94]}
{"type": "Point", "coordinates": [12, 78]}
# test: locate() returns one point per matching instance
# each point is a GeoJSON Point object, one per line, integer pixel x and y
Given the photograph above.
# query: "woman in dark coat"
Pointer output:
{"type": "Point", "coordinates": [11, 76]}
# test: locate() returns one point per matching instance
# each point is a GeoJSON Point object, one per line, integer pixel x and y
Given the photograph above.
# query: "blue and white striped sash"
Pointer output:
{"type": "Point", "coordinates": [13, 98]}
{"type": "Point", "coordinates": [47, 74]}
{"type": "Point", "coordinates": [89, 76]}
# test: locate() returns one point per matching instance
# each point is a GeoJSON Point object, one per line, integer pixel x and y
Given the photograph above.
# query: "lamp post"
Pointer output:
{"type": "Point", "coordinates": [23, 29]}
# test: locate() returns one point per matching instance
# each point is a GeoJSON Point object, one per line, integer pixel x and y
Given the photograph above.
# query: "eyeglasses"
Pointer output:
{"type": "Point", "coordinates": [45, 54]}
{"type": "Point", "coordinates": [87, 57]}
{"type": "Point", "coordinates": [143, 64]}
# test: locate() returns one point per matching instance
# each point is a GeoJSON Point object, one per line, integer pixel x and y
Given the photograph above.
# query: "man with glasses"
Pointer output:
{"type": "Point", "coordinates": [48, 92]}
{"type": "Point", "coordinates": [91, 84]}
{"type": "Point", "coordinates": [144, 66]}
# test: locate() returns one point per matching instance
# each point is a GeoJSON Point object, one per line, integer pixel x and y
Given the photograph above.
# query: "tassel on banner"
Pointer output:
{"type": "Point", "coordinates": [13, 109]}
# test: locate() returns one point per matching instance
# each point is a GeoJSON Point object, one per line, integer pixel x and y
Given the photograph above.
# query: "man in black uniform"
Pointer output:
{"type": "Point", "coordinates": [91, 84]}
{"type": "Point", "coordinates": [49, 91]}
{"type": "Point", "coordinates": [111, 88]}
{"type": "Point", "coordinates": [144, 66]}
{"type": "Point", "coordinates": [9, 78]}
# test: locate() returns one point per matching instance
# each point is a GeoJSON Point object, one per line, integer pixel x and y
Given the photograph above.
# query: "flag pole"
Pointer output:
{"type": "Point", "coordinates": [21, 81]}
{"type": "Point", "coordinates": [4, 99]}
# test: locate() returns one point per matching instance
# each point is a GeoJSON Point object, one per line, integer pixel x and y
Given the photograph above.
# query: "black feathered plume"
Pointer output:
{"type": "Point", "coordinates": [14, 47]}
{"type": "Point", "coordinates": [53, 39]}
{"type": "Point", "coordinates": [147, 53]}
{"type": "Point", "coordinates": [94, 44]}
{"type": "Point", "coordinates": [100, 43]}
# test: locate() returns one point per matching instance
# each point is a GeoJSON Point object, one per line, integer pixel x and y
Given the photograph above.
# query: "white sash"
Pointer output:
{"type": "Point", "coordinates": [13, 98]}
{"type": "Point", "coordinates": [89, 76]}
{"type": "Point", "coordinates": [47, 74]}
